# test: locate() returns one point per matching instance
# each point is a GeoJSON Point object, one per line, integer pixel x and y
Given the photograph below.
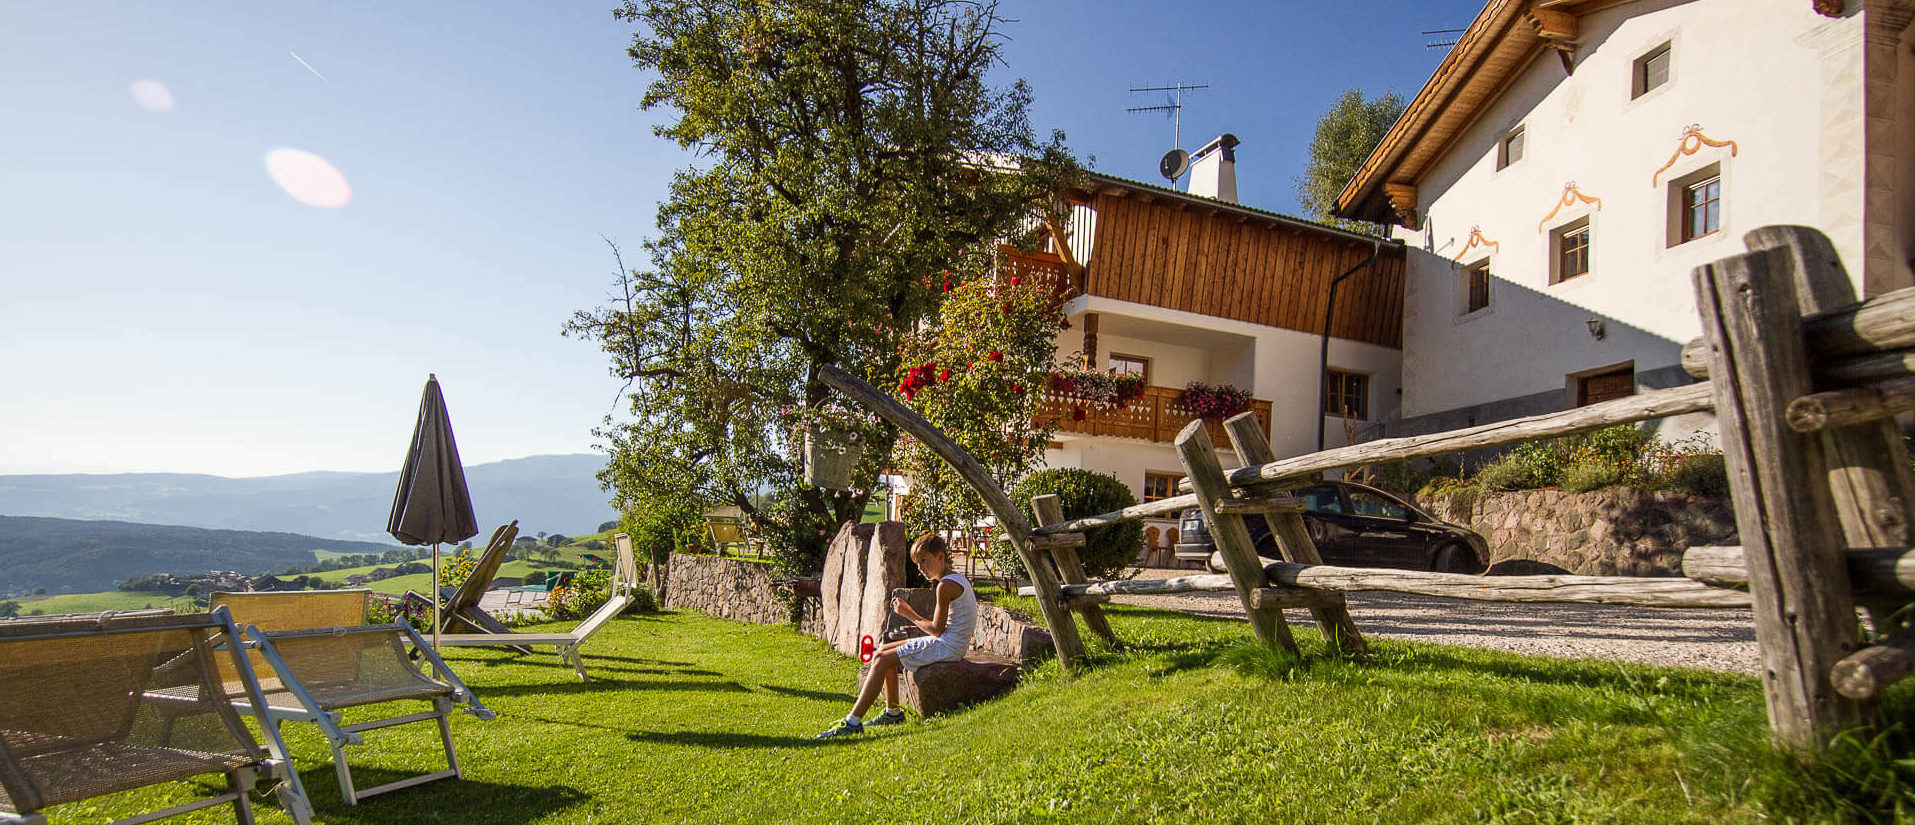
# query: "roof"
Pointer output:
{"type": "Point", "coordinates": [1100, 180]}
{"type": "Point", "coordinates": [1503, 39]}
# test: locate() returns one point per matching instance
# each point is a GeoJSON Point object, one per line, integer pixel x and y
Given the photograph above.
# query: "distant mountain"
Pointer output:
{"type": "Point", "coordinates": [67, 556]}
{"type": "Point", "coordinates": [552, 493]}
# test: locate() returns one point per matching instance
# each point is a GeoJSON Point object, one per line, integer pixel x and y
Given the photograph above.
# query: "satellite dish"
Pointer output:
{"type": "Point", "coordinates": [1175, 163]}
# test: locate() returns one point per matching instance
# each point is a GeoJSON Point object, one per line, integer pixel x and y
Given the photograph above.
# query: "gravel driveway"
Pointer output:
{"type": "Point", "coordinates": [1709, 639]}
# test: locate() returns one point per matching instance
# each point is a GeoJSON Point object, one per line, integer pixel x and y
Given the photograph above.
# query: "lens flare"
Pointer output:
{"type": "Point", "coordinates": [152, 95]}
{"type": "Point", "coordinates": [308, 178]}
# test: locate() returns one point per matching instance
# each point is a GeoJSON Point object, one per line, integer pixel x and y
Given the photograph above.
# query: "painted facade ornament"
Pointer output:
{"type": "Point", "coordinates": [1691, 142]}
{"type": "Point", "coordinates": [1570, 196]}
{"type": "Point", "coordinates": [1476, 239]}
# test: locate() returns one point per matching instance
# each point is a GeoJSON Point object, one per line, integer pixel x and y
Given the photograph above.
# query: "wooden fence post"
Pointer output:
{"type": "Point", "coordinates": [1293, 537]}
{"type": "Point", "coordinates": [1071, 568]}
{"type": "Point", "coordinates": [1867, 463]}
{"type": "Point", "coordinates": [1233, 539]}
{"type": "Point", "coordinates": [1070, 647]}
{"type": "Point", "coordinates": [1804, 611]}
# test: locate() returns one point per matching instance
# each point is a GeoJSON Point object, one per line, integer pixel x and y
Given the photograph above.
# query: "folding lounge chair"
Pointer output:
{"type": "Point", "coordinates": [460, 608]}
{"type": "Point", "coordinates": [95, 706]}
{"type": "Point", "coordinates": [316, 658]}
{"type": "Point", "coordinates": [624, 577]}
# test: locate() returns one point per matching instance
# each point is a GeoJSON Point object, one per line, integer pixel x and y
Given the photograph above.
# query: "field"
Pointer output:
{"type": "Point", "coordinates": [694, 719]}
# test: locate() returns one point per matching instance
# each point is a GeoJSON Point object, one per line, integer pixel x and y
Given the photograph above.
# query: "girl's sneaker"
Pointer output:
{"type": "Point", "coordinates": [891, 716]}
{"type": "Point", "coordinates": [843, 728]}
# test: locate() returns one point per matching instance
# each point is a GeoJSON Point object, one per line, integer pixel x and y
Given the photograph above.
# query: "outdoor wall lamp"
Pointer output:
{"type": "Point", "coordinates": [1596, 330]}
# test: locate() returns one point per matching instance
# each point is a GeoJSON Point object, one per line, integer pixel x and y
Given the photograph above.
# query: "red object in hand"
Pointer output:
{"type": "Point", "coordinates": [867, 649]}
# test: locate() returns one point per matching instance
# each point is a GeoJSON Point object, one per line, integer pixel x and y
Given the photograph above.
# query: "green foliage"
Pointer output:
{"type": "Point", "coordinates": [9, 609]}
{"type": "Point", "coordinates": [1346, 134]}
{"type": "Point", "coordinates": [848, 151]}
{"type": "Point", "coordinates": [1107, 550]}
{"type": "Point", "coordinates": [587, 591]}
{"type": "Point", "coordinates": [977, 373]}
{"type": "Point", "coordinates": [1410, 477]}
{"type": "Point", "coordinates": [1583, 477]}
{"type": "Point", "coordinates": [1526, 467]}
{"type": "Point", "coordinates": [1704, 474]}
{"type": "Point", "coordinates": [454, 571]}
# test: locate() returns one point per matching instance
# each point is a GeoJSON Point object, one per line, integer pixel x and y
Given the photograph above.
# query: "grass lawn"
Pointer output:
{"type": "Point", "coordinates": [99, 602]}
{"type": "Point", "coordinates": [697, 719]}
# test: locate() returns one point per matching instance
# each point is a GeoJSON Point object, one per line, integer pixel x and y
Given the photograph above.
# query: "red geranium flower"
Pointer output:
{"type": "Point", "coordinates": [1077, 414]}
{"type": "Point", "coordinates": [995, 355]}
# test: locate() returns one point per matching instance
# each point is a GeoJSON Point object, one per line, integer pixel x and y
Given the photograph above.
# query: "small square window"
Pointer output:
{"type": "Point", "coordinates": [1130, 365]}
{"type": "Point", "coordinates": [1650, 72]}
{"type": "Point", "coordinates": [1346, 395]}
{"type": "Point", "coordinates": [1510, 149]}
{"type": "Point", "coordinates": [1696, 203]}
{"type": "Point", "coordinates": [1159, 486]}
{"type": "Point", "coordinates": [1571, 252]}
{"type": "Point", "coordinates": [1702, 208]}
{"type": "Point", "coordinates": [1475, 287]}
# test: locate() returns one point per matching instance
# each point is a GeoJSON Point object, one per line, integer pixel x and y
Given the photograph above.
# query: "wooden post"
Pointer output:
{"type": "Point", "coordinates": [1090, 340]}
{"type": "Point", "coordinates": [1071, 568]}
{"type": "Point", "coordinates": [1233, 539]}
{"type": "Point", "coordinates": [1293, 537]}
{"type": "Point", "coordinates": [1804, 611]}
{"type": "Point", "coordinates": [1867, 463]}
{"type": "Point", "coordinates": [1063, 628]}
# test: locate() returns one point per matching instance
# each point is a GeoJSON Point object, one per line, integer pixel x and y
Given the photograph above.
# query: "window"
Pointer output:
{"type": "Point", "coordinates": [1159, 486]}
{"type": "Point", "coordinates": [1606, 385]}
{"type": "Point", "coordinates": [1702, 208]}
{"type": "Point", "coordinates": [1366, 503]}
{"type": "Point", "coordinates": [1696, 205]}
{"type": "Point", "coordinates": [1510, 149]}
{"type": "Point", "coordinates": [1475, 287]}
{"type": "Point", "coordinates": [1650, 72]}
{"type": "Point", "coordinates": [1572, 252]}
{"type": "Point", "coordinates": [1130, 365]}
{"type": "Point", "coordinates": [1347, 395]}
{"type": "Point", "coordinates": [1321, 499]}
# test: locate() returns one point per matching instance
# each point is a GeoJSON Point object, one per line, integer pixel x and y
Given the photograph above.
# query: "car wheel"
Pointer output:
{"type": "Point", "coordinates": [1454, 558]}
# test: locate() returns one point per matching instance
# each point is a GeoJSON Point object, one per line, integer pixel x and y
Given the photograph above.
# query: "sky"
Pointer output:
{"type": "Point", "coordinates": [236, 238]}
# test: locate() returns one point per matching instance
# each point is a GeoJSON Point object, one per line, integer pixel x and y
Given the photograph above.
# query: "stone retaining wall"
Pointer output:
{"type": "Point", "coordinates": [1619, 531]}
{"type": "Point", "coordinates": [747, 592]}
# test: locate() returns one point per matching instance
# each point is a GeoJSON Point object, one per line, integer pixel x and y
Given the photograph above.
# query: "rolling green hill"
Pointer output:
{"type": "Point", "coordinates": [69, 556]}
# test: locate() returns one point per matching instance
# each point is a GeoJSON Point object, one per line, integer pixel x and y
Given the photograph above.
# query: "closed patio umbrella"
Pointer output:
{"type": "Point", "coordinates": [432, 505]}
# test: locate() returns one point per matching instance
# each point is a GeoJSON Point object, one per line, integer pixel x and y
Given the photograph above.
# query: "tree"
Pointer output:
{"type": "Point", "coordinates": [9, 609]}
{"type": "Point", "coordinates": [850, 151]}
{"type": "Point", "coordinates": [555, 540]}
{"type": "Point", "coordinates": [1346, 134]}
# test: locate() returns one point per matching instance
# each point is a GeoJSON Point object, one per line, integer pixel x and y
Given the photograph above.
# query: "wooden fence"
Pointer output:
{"type": "Point", "coordinates": [1819, 473]}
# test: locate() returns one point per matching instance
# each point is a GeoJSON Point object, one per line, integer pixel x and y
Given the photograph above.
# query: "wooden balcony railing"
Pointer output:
{"type": "Point", "coordinates": [1156, 416]}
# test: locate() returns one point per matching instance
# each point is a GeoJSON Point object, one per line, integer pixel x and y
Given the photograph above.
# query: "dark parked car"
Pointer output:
{"type": "Point", "coordinates": [1356, 526]}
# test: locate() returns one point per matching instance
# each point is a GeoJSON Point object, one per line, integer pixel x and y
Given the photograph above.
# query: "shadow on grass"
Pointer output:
{"type": "Point", "coordinates": [727, 739]}
{"type": "Point", "coordinates": [463, 800]}
{"type": "Point", "coordinates": [820, 695]}
{"type": "Point", "coordinates": [601, 685]}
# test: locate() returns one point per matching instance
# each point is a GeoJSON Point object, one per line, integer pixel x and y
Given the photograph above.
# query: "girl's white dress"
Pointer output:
{"type": "Point", "coordinates": [959, 620]}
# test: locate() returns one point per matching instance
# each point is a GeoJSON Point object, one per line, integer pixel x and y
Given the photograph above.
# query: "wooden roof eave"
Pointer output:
{"type": "Point", "coordinates": [1498, 30]}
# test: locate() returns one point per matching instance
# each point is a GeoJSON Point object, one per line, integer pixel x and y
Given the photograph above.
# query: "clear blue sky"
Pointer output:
{"type": "Point", "coordinates": [169, 306]}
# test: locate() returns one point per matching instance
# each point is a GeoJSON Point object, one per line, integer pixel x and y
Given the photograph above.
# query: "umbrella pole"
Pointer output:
{"type": "Point", "coordinates": [435, 598]}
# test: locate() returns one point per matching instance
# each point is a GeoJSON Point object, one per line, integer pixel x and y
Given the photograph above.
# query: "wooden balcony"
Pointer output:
{"type": "Point", "coordinates": [1157, 416]}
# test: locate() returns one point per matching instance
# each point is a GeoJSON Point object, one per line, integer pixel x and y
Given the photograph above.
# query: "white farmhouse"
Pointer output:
{"type": "Point", "coordinates": [1570, 163]}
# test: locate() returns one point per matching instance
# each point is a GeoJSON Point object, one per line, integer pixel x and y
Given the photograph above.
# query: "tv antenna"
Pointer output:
{"type": "Point", "coordinates": [1177, 161]}
{"type": "Point", "coordinates": [1445, 42]}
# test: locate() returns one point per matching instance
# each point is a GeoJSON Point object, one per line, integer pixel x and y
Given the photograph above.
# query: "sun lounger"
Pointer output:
{"type": "Point", "coordinates": [316, 657]}
{"type": "Point", "coordinates": [624, 578]}
{"type": "Point", "coordinates": [90, 707]}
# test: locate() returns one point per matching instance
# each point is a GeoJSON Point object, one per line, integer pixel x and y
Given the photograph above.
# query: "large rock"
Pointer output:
{"type": "Point", "coordinates": [864, 564]}
{"type": "Point", "coordinates": [945, 686]}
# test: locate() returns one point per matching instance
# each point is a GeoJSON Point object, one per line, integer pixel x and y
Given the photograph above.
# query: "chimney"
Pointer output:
{"type": "Point", "coordinates": [1213, 170]}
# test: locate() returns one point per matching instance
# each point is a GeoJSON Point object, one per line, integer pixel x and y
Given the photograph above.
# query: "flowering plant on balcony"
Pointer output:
{"type": "Point", "coordinates": [1107, 390]}
{"type": "Point", "coordinates": [1215, 401]}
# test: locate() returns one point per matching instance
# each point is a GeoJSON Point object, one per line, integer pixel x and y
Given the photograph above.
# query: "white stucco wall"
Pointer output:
{"type": "Point", "coordinates": [1770, 75]}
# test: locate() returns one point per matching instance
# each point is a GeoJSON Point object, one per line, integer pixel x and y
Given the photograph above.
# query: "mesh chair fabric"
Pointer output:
{"type": "Point", "coordinates": [98, 706]}
{"type": "Point", "coordinates": [288, 610]}
{"type": "Point", "coordinates": [348, 667]}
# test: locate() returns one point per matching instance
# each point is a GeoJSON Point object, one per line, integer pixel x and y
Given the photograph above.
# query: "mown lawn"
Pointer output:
{"type": "Point", "coordinates": [697, 719]}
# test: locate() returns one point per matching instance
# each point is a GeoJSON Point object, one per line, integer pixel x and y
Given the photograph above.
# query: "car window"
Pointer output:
{"type": "Point", "coordinates": [1322, 499]}
{"type": "Point", "coordinates": [1366, 503]}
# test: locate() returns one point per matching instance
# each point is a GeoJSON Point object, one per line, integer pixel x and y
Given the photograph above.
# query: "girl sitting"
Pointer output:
{"type": "Point", "coordinates": [949, 630]}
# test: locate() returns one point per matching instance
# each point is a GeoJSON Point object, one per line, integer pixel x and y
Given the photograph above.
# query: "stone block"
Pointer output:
{"type": "Point", "coordinates": [945, 686]}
